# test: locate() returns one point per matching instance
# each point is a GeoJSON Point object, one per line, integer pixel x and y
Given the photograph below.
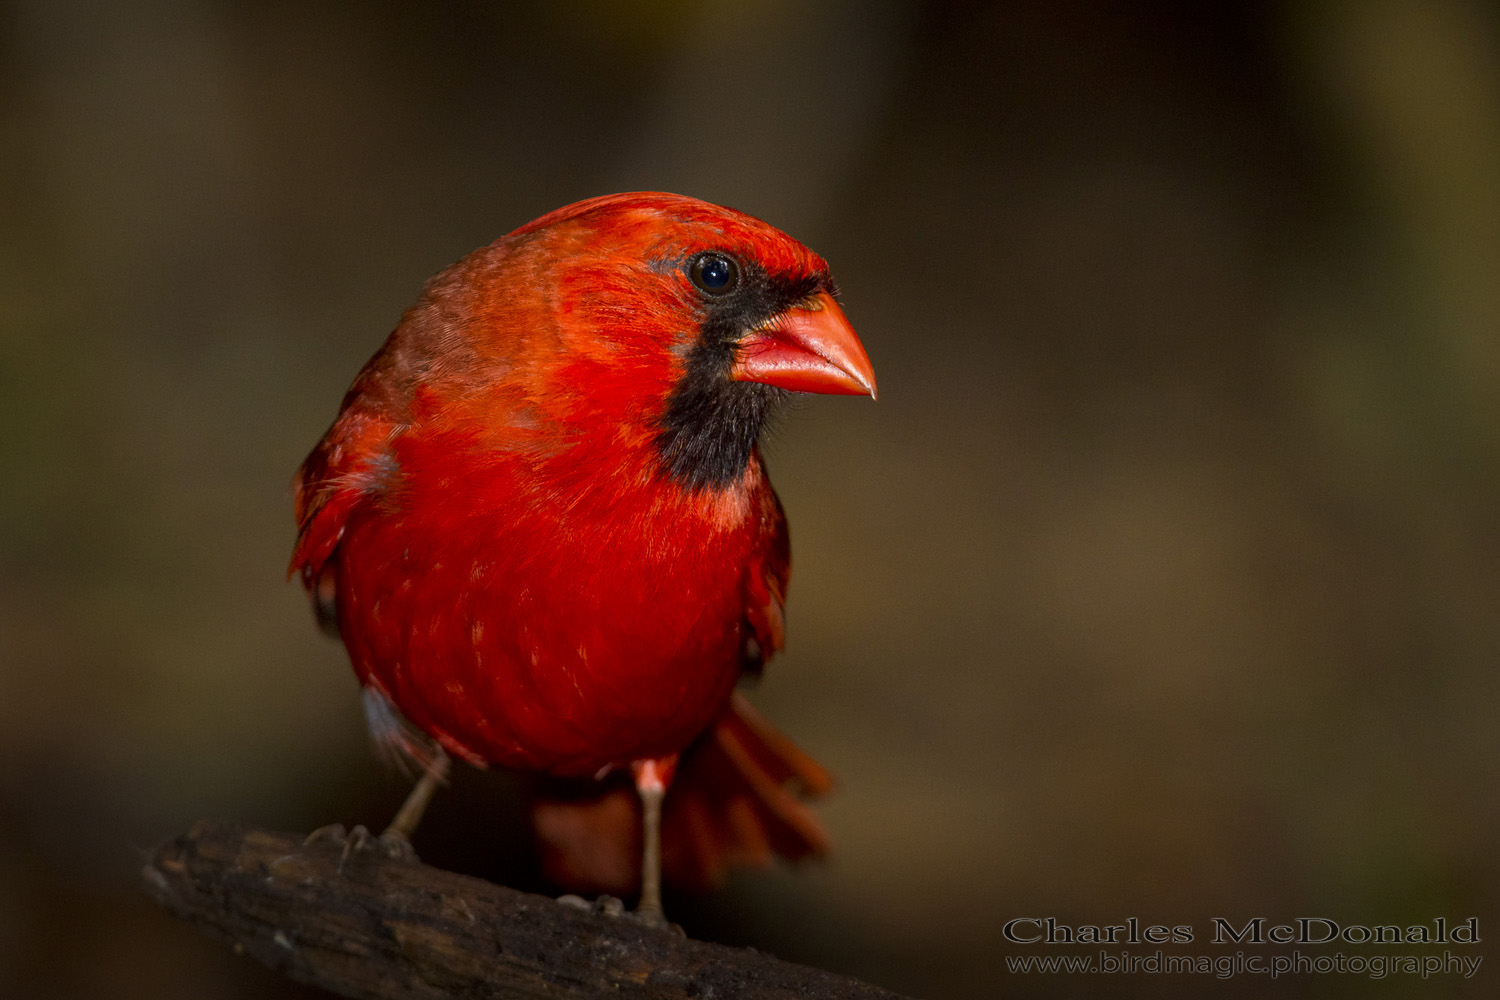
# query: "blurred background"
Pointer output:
{"type": "Point", "coordinates": [1162, 581]}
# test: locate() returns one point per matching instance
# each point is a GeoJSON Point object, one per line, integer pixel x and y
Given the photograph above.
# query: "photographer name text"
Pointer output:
{"type": "Point", "coordinates": [1255, 930]}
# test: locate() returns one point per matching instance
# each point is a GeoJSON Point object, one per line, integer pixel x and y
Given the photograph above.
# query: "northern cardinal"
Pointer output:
{"type": "Point", "coordinates": [542, 527]}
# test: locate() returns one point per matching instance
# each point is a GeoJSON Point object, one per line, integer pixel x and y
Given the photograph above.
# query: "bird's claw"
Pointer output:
{"type": "Point", "coordinates": [359, 840]}
{"type": "Point", "coordinates": [655, 919]}
{"type": "Point", "coordinates": [613, 906]}
{"type": "Point", "coordinates": [333, 831]}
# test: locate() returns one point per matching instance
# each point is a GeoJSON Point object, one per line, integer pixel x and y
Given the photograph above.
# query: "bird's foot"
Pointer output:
{"type": "Point", "coordinates": [613, 906]}
{"type": "Point", "coordinates": [656, 919]}
{"type": "Point", "coordinates": [391, 844]}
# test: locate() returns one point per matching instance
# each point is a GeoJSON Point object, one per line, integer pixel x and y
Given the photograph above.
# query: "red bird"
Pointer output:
{"type": "Point", "coordinates": [542, 527]}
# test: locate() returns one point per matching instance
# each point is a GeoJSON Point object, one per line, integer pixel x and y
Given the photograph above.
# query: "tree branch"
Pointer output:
{"type": "Point", "coordinates": [379, 928]}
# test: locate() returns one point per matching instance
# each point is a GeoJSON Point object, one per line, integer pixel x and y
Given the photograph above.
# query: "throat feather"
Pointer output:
{"type": "Point", "coordinates": [711, 425]}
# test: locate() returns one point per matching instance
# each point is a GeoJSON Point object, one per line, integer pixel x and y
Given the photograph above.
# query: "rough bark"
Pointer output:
{"type": "Point", "coordinates": [367, 925]}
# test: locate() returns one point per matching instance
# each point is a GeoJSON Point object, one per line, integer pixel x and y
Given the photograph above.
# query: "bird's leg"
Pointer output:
{"type": "Point", "coordinates": [434, 773]}
{"type": "Point", "coordinates": [395, 842]}
{"type": "Point", "coordinates": [651, 779]}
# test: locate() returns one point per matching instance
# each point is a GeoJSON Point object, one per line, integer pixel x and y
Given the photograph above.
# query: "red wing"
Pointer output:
{"type": "Point", "coordinates": [346, 469]}
{"type": "Point", "coordinates": [765, 598]}
{"type": "Point", "coordinates": [354, 461]}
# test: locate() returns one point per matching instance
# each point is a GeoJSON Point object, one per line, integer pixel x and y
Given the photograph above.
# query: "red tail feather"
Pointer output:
{"type": "Point", "coordinates": [736, 800]}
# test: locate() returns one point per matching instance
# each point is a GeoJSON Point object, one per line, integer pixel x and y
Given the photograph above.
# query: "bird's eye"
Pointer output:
{"type": "Point", "coordinates": [715, 273]}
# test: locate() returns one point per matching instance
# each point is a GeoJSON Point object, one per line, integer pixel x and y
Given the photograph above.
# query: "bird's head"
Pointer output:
{"type": "Point", "coordinates": [665, 320]}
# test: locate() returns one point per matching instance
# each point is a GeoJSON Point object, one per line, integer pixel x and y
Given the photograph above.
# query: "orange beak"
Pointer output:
{"type": "Point", "coordinates": [809, 348]}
